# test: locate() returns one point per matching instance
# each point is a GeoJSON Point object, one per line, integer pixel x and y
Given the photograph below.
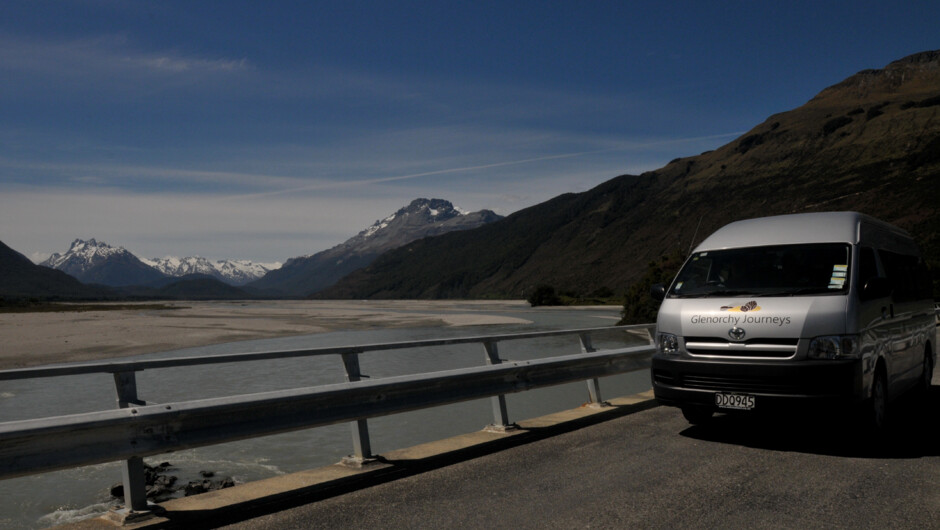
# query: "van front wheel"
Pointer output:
{"type": "Point", "coordinates": [877, 406]}
{"type": "Point", "coordinates": [926, 376]}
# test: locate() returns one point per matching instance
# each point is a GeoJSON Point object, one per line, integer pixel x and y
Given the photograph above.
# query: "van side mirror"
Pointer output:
{"type": "Point", "coordinates": [658, 291]}
{"type": "Point", "coordinates": [878, 287]}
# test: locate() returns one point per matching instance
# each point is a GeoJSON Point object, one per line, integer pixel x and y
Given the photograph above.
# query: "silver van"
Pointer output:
{"type": "Point", "coordinates": [813, 309]}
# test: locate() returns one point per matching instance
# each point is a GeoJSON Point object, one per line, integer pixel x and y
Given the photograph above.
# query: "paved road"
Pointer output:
{"type": "Point", "coordinates": [650, 469]}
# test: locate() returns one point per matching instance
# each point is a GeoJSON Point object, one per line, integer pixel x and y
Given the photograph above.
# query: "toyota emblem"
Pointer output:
{"type": "Point", "coordinates": [736, 333]}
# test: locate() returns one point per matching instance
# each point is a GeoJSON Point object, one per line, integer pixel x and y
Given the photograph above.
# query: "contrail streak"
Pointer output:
{"type": "Point", "coordinates": [382, 180]}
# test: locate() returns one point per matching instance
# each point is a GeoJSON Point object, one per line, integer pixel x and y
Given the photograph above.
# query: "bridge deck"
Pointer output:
{"type": "Point", "coordinates": [651, 470]}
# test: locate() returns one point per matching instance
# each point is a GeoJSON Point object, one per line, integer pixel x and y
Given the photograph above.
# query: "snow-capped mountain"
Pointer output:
{"type": "Point", "coordinates": [95, 261]}
{"type": "Point", "coordinates": [82, 255]}
{"type": "Point", "coordinates": [234, 272]}
{"type": "Point", "coordinates": [422, 218]}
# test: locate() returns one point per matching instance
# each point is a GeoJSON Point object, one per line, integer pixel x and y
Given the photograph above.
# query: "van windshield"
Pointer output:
{"type": "Point", "coordinates": [779, 270]}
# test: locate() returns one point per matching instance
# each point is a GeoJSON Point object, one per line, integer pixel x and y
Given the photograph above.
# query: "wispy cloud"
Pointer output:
{"type": "Point", "coordinates": [106, 59]}
{"type": "Point", "coordinates": [120, 175]}
{"type": "Point", "coordinates": [166, 63]}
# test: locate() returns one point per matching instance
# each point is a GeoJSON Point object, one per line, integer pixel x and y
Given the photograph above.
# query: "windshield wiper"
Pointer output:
{"type": "Point", "coordinates": [803, 290]}
{"type": "Point", "coordinates": [718, 292]}
{"type": "Point", "coordinates": [733, 292]}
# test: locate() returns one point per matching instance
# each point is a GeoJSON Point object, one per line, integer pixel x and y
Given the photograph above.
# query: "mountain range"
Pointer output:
{"type": "Point", "coordinates": [94, 261]}
{"type": "Point", "coordinates": [870, 143]}
{"type": "Point", "coordinates": [232, 272]}
{"type": "Point", "coordinates": [116, 272]}
{"type": "Point", "coordinates": [420, 219]}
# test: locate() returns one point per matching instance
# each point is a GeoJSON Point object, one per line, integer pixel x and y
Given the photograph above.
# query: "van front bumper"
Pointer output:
{"type": "Point", "coordinates": [681, 381]}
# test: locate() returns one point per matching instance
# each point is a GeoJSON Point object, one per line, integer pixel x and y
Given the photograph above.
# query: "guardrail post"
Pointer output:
{"type": "Point", "coordinates": [362, 447]}
{"type": "Point", "coordinates": [132, 469]}
{"type": "Point", "coordinates": [500, 413]}
{"type": "Point", "coordinates": [594, 385]}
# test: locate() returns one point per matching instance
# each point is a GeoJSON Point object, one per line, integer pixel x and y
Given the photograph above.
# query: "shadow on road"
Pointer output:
{"type": "Point", "coordinates": [389, 470]}
{"type": "Point", "coordinates": [912, 431]}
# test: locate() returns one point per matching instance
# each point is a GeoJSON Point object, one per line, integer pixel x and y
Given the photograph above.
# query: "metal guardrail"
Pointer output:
{"type": "Point", "coordinates": [136, 430]}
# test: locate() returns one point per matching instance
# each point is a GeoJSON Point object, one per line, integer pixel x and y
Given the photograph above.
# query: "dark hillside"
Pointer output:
{"type": "Point", "coordinates": [196, 288]}
{"type": "Point", "coordinates": [870, 143]}
{"type": "Point", "coordinates": [20, 278]}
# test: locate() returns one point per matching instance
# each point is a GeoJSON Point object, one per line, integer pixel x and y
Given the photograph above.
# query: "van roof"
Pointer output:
{"type": "Point", "coordinates": [824, 227]}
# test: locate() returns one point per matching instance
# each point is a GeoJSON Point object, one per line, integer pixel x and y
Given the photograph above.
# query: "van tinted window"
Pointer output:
{"type": "Point", "coordinates": [908, 275]}
{"type": "Point", "coordinates": [867, 267]}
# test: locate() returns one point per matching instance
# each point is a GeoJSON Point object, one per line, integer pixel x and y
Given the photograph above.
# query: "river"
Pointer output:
{"type": "Point", "coordinates": [53, 498]}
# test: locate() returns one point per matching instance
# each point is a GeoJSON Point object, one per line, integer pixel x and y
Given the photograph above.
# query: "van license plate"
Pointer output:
{"type": "Point", "coordinates": [734, 401]}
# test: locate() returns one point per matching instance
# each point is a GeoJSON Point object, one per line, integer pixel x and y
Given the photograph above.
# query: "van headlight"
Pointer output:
{"type": "Point", "coordinates": [834, 347]}
{"type": "Point", "coordinates": [667, 343]}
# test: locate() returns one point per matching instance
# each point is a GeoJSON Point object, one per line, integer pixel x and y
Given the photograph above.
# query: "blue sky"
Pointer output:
{"type": "Point", "coordinates": [268, 130]}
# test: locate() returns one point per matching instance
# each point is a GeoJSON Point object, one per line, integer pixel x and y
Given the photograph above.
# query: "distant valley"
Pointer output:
{"type": "Point", "coordinates": [113, 272]}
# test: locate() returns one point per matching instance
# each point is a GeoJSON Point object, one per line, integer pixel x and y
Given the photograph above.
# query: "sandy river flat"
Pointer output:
{"type": "Point", "coordinates": [31, 339]}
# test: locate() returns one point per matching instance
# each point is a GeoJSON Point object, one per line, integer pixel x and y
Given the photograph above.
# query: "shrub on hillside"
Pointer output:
{"type": "Point", "coordinates": [638, 306]}
{"type": "Point", "coordinates": [835, 124]}
{"type": "Point", "coordinates": [544, 295]}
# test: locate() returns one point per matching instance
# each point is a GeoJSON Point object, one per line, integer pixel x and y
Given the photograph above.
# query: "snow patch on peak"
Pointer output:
{"type": "Point", "coordinates": [378, 225]}
{"type": "Point", "coordinates": [81, 244]}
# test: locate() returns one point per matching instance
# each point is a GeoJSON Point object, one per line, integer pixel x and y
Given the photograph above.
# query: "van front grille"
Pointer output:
{"type": "Point", "coordinates": [768, 348]}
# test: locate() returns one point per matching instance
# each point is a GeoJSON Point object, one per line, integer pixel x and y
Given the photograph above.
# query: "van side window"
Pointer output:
{"type": "Point", "coordinates": [867, 268]}
{"type": "Point", "coordinates": [905, 274]}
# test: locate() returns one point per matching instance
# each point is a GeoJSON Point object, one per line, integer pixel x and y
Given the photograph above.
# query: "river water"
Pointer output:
{"type": "Point", "coordinates": [53, 498]}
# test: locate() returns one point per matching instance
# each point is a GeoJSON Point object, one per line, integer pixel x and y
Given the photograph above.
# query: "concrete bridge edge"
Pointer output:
{"type": "Point", "coordinates": [253, 499]}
